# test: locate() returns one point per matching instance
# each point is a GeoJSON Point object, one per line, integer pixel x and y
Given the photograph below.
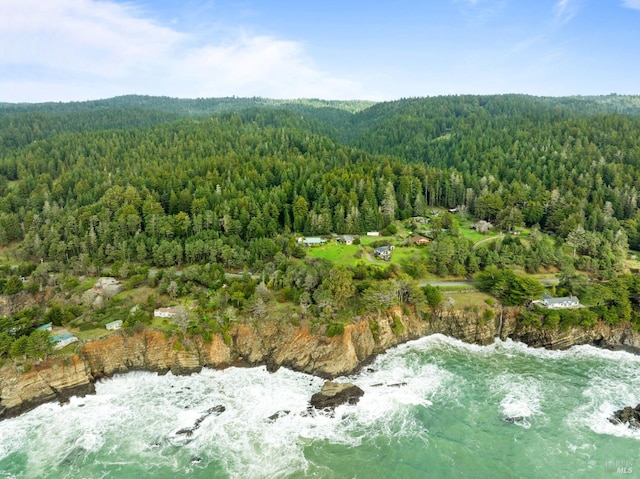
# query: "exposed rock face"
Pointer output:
{"type": "Point", "coordinates": [10, 305]}
{"type": "Point", "coordinates": [621, 336]}
{"type": "Point", "coordinates": [628, 415]}
{"type": "Point", "coordinates": [276, 344]}
{"type": "Point", "coordinates": [50, 380]}
{"type": "Point", "coordinates": [59, 378]}
{"type": "Point", "coordinates": [334, 394]}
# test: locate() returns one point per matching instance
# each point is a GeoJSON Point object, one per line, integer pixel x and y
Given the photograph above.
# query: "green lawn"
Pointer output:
{"type": "Point", "coordinates": [92, 333]}
{"type": "Point", "coordinates": [84, 285]}
{"type": "Point", "coordinates": [473, 235]}
{"type": "Point", "coordinates": [346, 255]}
{"type": "Point", "coordinates": [367, 240]}
{"type": "Point", "coordinates": [402, 255]}
{"type": "Point", "coordinates": [338, 254]}
{"type": "Point", "coordinates": [466, 299]}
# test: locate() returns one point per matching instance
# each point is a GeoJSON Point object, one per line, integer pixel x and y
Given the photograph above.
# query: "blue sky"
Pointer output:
{"type": "Point", "coordinates": [61, 50]}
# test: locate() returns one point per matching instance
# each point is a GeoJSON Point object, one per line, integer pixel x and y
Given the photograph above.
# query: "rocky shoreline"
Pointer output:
{"type": "Point", "coordinates": [628, 415]}
{"type": "Point", "coordinates": [274, 345]}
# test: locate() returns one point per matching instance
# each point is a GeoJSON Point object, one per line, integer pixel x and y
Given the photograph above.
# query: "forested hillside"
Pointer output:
{"type": "Point", "coordinates": [106, 183]}
{"type": "Point", "coordinates": [174, 195]}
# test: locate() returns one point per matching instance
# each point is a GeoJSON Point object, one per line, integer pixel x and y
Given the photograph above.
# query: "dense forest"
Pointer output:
{"type": "Point", "coordinates": [104, 182]}
{"type": "Point", "coordinates": [228, 184]}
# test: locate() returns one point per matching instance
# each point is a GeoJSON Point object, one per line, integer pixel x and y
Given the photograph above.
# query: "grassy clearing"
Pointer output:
{"type": "Point", "coordinates": [633, 262]}
{"type": "Point", "coordinates": [92, 334]}
{"type": "Point", "coordinates": [338, 254]}
{"type": "Point", "coordinates": [137, 295]}
{"type": "Point", "coordinates": [164, 324]}
{"type": "Point", "coordinates": [405, 254]}
{"type": "Point", "coordinates": [467, 299]}
{"type": "Point", "coordinates": [84, 285]}
{"type": "Point", "coordinates": [457, 288]}
{"type": "Point", "coordinates": [474, 236]}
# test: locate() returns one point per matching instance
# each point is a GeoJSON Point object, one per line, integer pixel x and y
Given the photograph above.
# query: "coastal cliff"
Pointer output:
{"type": "Point", "coordinates": [274, 345]}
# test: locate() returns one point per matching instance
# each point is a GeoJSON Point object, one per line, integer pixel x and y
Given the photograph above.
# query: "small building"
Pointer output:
{"type": "Point", "coordinates": [383, 252]}
{"type": "Point", "coordinates": [420, 240]}
{"type": "Point", "coordinates": [45, 327]}
{"type": "Point", "coordinates": [114, 325]}
{"type": "Point", "coordinates": [373, 233]}
{"type": "Point", "coordinates": [345, 239]}
{"type": "Point", "coordinates": [566, 302]}
{"type": "Point", "coordinates": [165, 312]}
{"type": "Point", "coordinates": [107, 287]}
{"type": "Point", "coordinates": [311, 241]}
{"type": "Point", "coordinates": [61, 340]}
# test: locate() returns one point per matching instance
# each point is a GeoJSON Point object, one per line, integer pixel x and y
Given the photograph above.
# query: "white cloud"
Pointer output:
{"type": "Point", "coordinates": [80, 49]}
{"type": "Point", "coordinates": [634, 4]}
{"type": "Point", "coordinates": [565, 10]}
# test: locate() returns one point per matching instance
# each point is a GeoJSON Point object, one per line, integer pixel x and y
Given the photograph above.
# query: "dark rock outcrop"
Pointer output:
{"type": "Point", "coordinates": [215, 410]}
{"type": "Point", "coordinates": [277, 415]}
{"type": "Point", "coordinates": [628, 415]}
{"type": "Point", "coordinates": [335, 394]}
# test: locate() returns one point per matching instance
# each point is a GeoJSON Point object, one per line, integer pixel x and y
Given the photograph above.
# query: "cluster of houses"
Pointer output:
{"type": "Point", "coordinates": [65, 338]}
{"type": "Point", "coordinates": [381, 252]}
{"type": "Point", "coordinates": [58, 341]}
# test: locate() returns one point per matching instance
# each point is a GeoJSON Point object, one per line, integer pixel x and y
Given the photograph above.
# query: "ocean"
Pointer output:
{"type": "Point", "coordinates": [435, 407]}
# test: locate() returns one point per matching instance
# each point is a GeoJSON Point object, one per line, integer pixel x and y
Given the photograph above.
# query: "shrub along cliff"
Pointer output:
{"type": "Point", "coordinates": [274, 344]}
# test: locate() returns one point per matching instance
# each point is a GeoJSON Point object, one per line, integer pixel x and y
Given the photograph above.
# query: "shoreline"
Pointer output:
{"type": "Point", "coordinates": [273, 346]}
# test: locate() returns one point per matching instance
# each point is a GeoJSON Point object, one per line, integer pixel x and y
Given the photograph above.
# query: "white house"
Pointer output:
{"type": "Point", "coordinates": [346, 239]}
{"type": "Point", "coordinates": [565, 302]}
{"type": "Point", "coordinates": [312, 241]}
{"type": "Point", "coordinates": [62, 340]}
{"type": "Point", "coordinates": [165, 312]}
{"type": "Point", "coordinates": [114, 325]}
{"type": "Point", "coordinates": [373, 233]}
{"type": "Point", "coordinates": [383, 252]}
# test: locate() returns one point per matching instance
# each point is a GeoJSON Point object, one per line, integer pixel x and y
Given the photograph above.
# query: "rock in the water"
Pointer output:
{"type": "Point", "coordinates": [334, 394]}
{"type": "Point", "coordinates": [277, 415]}
{"type": "Point", "coordinates": [188, 431]}
{"type": "Point", "coordinates": [628, 415]}
{"type": "Point", "coordinates": [514, 419]}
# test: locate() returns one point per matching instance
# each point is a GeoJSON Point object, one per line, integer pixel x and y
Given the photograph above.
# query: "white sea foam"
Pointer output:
{"type": "Point", "coordinates": [617, 385]}
{"type": "Point", "coordinates": [135, 418]}
{"type": "Point", "coordinates": [520, 397]}
{"type": "Point", "coordinates": [509, 347]}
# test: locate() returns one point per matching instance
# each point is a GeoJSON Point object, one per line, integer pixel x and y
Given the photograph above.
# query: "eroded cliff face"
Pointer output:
{"type": "Point", "coordinates": [621, 336]}
{"type": "Point", "coordinates": [49, 380]}
{"type": "Point", "coordinates": [10, 305]}
{"type": "Point", "coordinates": [274, 344]}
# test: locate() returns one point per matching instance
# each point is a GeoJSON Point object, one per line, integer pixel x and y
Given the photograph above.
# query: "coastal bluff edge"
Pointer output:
{"type": "Point", "coordinates": [275, 344]}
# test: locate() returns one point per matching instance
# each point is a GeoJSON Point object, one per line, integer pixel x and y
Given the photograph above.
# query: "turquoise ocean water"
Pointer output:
{"type": "Point", "coordinates": [435, 407]}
